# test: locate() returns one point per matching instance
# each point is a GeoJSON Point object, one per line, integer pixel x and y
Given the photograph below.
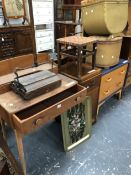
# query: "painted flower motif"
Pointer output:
{"type": "Point", "coordinates": [76, 122]}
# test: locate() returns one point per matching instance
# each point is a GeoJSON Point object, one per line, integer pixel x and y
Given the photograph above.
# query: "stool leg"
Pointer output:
{"type": "Point", "coordinates": [59, 56]}
{"type": "Point", "coordinates": [94, 55]}
{"type": "Point", "coordinates": [20, 150]}
{"type": "Point", "coordinates": [79, 60]}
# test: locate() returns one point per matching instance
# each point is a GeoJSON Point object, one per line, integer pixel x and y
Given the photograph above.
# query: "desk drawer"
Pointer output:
{"type": "Point", "coordinates": [37, 115]}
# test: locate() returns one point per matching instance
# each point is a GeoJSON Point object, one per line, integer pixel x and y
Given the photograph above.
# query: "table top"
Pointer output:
{"type": "Point", "coordinates": [13, 103]}
{"type": "Point", "coordinates": [77, 40]}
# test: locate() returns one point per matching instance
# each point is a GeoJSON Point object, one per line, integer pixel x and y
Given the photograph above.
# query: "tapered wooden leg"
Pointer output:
{"type": "Point", "coordinates": [119, 94]}
{"type": "Point", "coordinates": [19, 141]}
{"type": "Point", "coordinates": [2, 123]}
{"type": "Point", "coordinates": [98, 107]}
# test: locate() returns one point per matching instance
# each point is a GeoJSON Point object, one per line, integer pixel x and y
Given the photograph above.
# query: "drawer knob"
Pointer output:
{"type": "Point", "coordinates": [107, 92]}
{"type": "Point", "coordinates": [123, 72]}
{"type": "Point", "coordinates": [109, 79]}
{"type": "Point", "coordinates": [78, 99]}
{"type": "Point", "coordinates": [38, 121]}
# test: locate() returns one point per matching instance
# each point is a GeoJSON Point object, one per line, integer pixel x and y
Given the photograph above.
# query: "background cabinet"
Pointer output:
{"type": "Point", "coordinates": [43, 13]}
{"type": "Point", "coordinates": [15, 41]}
{"type": "Point", "coordinates": [126, 54]}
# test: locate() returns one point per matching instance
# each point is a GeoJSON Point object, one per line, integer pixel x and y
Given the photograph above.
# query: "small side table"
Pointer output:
{"type": "Point", "coordinates": [72, 55]}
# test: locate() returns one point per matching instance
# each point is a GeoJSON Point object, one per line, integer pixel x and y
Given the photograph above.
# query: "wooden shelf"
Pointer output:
{"type": "Point", "coordinates": [71, 6]}
{"type": "Point", "coordinates": [66, 22]}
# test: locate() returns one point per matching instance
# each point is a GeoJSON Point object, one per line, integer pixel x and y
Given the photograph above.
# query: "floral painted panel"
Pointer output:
{"type": "Point", "coordinates": [13, 8]}
{"type": "Point", "coordinates": [76, 124]}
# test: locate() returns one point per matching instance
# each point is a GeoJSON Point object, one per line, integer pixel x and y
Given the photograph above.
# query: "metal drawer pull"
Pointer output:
{"type": "Point", "coordinates": [106, 92]}
{"type": "Point", "coordinates": [109, 79]}
{"type": "Point", "coordinates": [78, 99]}
{"type": "Point", "coordinates": [123, 72]}
{"type": "Point", "coordinates": [119, 83]}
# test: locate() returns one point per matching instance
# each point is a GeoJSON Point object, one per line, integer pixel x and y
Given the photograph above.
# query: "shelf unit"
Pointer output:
{"type": "Point", "coordinates": [67, 21]}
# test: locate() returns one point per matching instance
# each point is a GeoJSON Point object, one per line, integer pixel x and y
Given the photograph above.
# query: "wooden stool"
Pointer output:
{"type": "Point", "coordinates": [73, 48]}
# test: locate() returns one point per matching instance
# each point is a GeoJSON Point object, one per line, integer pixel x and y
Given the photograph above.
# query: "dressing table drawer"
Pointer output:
{"type": "Point", "coordinates": [43, 4]}
{"type": "Point", "coordinates": [43, 19]}
{"type": "Point", "coordinates": [44, 46]}
{"type": "Point", "coordinates": [39, 114]}
{"type": "Point", "coordinates": [43, 11]}
{"type": "Point", "coordinates": [43, 40]}
{"type": "Point", "coordinates": [42, 33]}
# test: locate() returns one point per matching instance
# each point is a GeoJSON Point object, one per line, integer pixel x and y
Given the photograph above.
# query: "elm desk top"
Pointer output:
{"type": "Point", "coordinates": [13, 103]}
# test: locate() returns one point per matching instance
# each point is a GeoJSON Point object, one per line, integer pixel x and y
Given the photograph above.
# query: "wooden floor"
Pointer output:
{"type": "Point", "coordinates": [107, 152]}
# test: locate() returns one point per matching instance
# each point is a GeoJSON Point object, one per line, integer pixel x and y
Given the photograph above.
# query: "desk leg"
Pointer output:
{"type": "Point", "coordinates": [3, 128]}
{"type": "Point", "coordinates": [19, 141]}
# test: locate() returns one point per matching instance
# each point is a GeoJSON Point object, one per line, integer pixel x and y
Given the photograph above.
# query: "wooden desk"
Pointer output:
{"type": "Point", "coordinates": [26, 116]}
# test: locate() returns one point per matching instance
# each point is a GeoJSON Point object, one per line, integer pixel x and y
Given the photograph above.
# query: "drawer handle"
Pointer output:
{"type": "Point", "coordinates": [78, 99]}
{"type": "Point", "coordinates": [109, 79]}
{"type": "Point", "coordinates": [107, 92]}
{"type": "Point", "coordinates": [120, 83]}
{"type": "Point", "coordinates": [123, 72]}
